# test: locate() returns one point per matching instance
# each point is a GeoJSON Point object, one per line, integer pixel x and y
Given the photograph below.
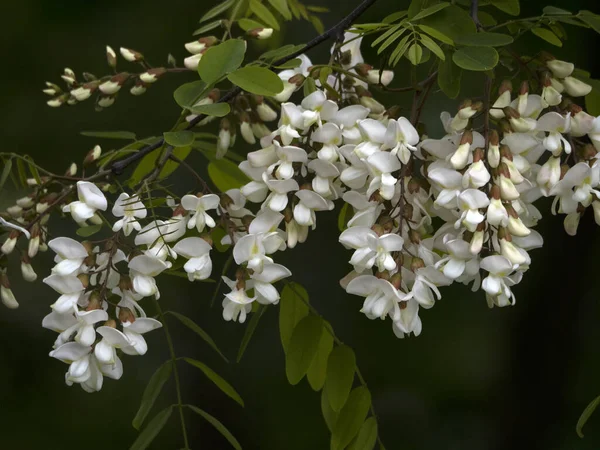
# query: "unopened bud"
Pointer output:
{"type": "Point", "coordinates": [131, 55]}
{"type": "Point", "coordinates": [72, 170]}
{"type": "Point", "coordinates": [467, 138]}
{"type": "Point", "coordinates": [10, 243]}
{"type": "Point", "coordinates": [85, 279]}
{"type": "Point", "coordinates": [505, 86]}
{"type": "Point", "coordinates": [396, 280]}
{"type": "Point", "coordinates": [152, 75]}
{"type": "Point", "coordinates": [112, 323]}
{"type": "Point", "coordinates": [416, 264]}
{"type": "Point", "coordinates": [27, 270]}
{"type": "Point", "coordinates": [260, 33]}
{"type": "Point", "coordinates": [111, 57]}
{"type": "Point", "coordinates": [8, 298]}
{"type": "Point", "coordinates": [126, 315]}
{"type": "Point", "coordinates": [92, 155]}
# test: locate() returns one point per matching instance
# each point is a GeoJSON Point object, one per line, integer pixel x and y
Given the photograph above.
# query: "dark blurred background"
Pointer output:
{"type": "Point", "coordinates": [475, 379]}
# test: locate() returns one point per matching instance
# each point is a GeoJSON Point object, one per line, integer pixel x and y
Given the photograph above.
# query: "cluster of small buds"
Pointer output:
{"type": "Point", "coordinates": [107, 87]}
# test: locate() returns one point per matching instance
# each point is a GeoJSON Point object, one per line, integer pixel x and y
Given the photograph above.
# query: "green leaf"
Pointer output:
{"type": "Point", "coordinates": [250, 329]}
{"type": "Point", "coordinates": [318, 9]}
{"type": "Point", "coordinates": [317, 372]}
{"type": "Point", "coordinates": [281, 52]}
{"type": "Point", "coordinates": [303, 347]}
{"type": "Point", "coordinates": [88, 231]}
{"type": "Point", "coordinates": [5, 172]}
{"type": "Point", "coordinates": [188, 94]}
{"type": "Point", "coordinates": [547, 35]}
{"type": "Point", "coordinates": [414, 54]}
{"type": "Point", "coordinates": [585, 415]}
{"type": "Point", "coordinates": [151, 393]}
{"type": "Point", "coordinates": [263, 13]}
{"type": "Point", "coordinates": [199, 331]}
{"type": "Point", "coordinates": [110, 134]}
{"type": "Point", "coordinates": [399, 50]}
{"type": "Point", "coordinates": [390, 40]}
{"type": "Point", "coordinates": [485, 39]}
{"type": "Point", "coordinates": [592, 103]}
{"type": "Point", "coordinates": [207, 27]}
{"type": "Point", "coordinates": [341, 366]}
{"type": "Point", "coordinates": [257, 80]}
{"type": "Point", "coordinates": [591, 19]}
{"type": "Point", "coordinates": [217, 379]}
{"type": "Point", "coordinates": [218, 426]}
{"type": "Point", "coordinates": [554, 11]}
{"type": "Point", "coordinates": [146, 437]}
{"type": "Point", "coordinates": [144, 167]}
{"type": "Point", "coordinates": [487, 20]}
{"type": "Point", "coordinates": [431, 45]}
{"type": "Point", "coordinates": [292, 308]}
{"type": "Point", "coordinates": [309, 86]}
{"type": "Point", "coordinates": [218, 233]}
{"type": "Point", "coordinates": [249, 24]}
{"type": "Point", "coordinates": [367, 436]}
{"type": "Point", "coordinates": [436, 34]}
{"type": "Point", "coordinates": [291, 64]}
{"type": "Point", "coordinates": [221, 59]}
{"type": "Point", "coordinates": [511, 7]}
{"type": "Point", "coordinates": [344, 216]}
{"type": "Point", "coordinates": [170, 166]}
{"type": "Point", "coordinates": [395, 16]}
{"type": "Point", "coordinates": [219, 9]}
{"type": "Point", "coordinates": [385, 35]}
{"type": "Point", "coordinates": [212, 109]}
{"type": "Point", "coordinates": [449, 76]}
{"type": "Point", "coordinates": [452, 22]}
{"type": "Point", "coordinates": [226, 175]}
{"type": "Point", "coordinates": [417, 6]}
{"type": "Point", "coordinates": [317, 23]}
{"type": "Point", "coordinates": [430, 11]}
{"type": "Point", "coordinates": [351, 417]}
{"type": "Point", "coordinates": [22, 172]}
{"type": "Point", "coordinates": [182, 138]}
{"type": "Point", "coordinates": [476, 58]}
{"type": "Point", "coordinates": [329, 414]}
{"type": "Point", "coordinates": [281, 7]}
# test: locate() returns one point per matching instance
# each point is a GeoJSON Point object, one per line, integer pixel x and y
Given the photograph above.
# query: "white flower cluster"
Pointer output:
{"type": "Point", "coordinates": [426, 212]}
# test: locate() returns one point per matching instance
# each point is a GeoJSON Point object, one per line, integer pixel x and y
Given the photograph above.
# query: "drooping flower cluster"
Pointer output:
{"type": "Point", "coordinates": [418, 213]}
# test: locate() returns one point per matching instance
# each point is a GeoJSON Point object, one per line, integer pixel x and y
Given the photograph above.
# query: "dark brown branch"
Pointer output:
{"type": "Point", "coordinates": [335, 32]}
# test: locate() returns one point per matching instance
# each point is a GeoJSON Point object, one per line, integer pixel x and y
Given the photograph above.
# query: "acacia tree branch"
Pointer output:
{"type": "Point", "coordinates": [336, 31]}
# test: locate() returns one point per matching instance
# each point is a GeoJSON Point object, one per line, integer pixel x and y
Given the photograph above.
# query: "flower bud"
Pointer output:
{"type": "Point", "coordinates": [6, 294]}
{"type": "Point", "coordinates": [191, 62]}
{"type": "Point", "coordinates": [576, 88]}
{"type": "Point", "coordinates": [92, 155]}
{"type": "Point", "coordinates": [476, 243]}
{"type": "Point", "coordinates": [201, 44]}
{"type": "Point", "coordinates": [560, 69]}
{"type": "Point", "coordinates": [260, 33]}
{"type": "Point", "coordinates": [246, 129]}
{"type": "Point", "coordinates": [15, 211]}
{"type": "Point", "coordinates": [416, 264]}
{"type": "Point", "coordinates": [85, 279]}
{"type": "Point", "coordinates": [58, 101]}
{"type": "Point", "coordinates": [72, 170]}
{"type": "Point", "coordinates": [84, 92]}
{"type": "Point", "coordinates": [111, 57]}
{"type": "Point", "coordinates": [508, 249]}
{"type": "Point", "coordinates": [68, 77]}
{"type": "Point", "coordinates": [265, 112]}
{"type": "Point", "coordinates": [224, 140]}
{"type": "Point", "coordinates": [26, 270]}
{"type": "Point", "coordinates": [126, 316]}
{"type": "Point", "coordinates": [139, 88]}
{"type": "Point", "coordinates": [383, 77]}
{"type": "Point", "coordinates": [372, 104]}
{"type": "Point", "coordinates": [34, 242]}
{"type": "Point", "coordinates": [10, 243]}
{"type": "Point", "coordinates": [131, 55]}
{"type": "Point", "coordinates": [396, 280]}
{"type": "Point", "coordinates": [152, 75]}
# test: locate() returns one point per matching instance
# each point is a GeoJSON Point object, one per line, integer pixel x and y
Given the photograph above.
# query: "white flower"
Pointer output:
{"type": "Point", "coordinates": [287, 156]}
{"type": "Point", "coordinates": [366, 212]}
{"type": "Point", "coordinates": [497, 284]}
{"type": "Point", "coordinates": [78, 358]}
{"type": "Point", "coordinates": [70, 255]}
{"type": "Point", "coordinates": [381, 297]}
{"type": "Point", "coordinates": [90, 200]}
{"type": "Point", "coordinates": [236, 304]}
{"type": "Point", "coordinates": [330, 135]}
{"type": "Point", "coordinates": [304, 211]}
{"type": "Point", "coordinates": [130, 209]}
{"type": "Point", "coordinates": [133, 332]}
{"type": "Point", "coordinates": [143, 269]}
{"type": "Point", "coordinates": [262, 241]}
{"type": "Point", "coordinates": [78, 326]}
{"type": "Point", "coordinates": [409, 320]}
{"type": "Point", "coordinates": [459, 260]}
{"type": "Point", "coordinates": [560, 69]}
{"type": "Point", "coordinates": [371, 249]}
{"type": "Point", "coordinates": [198, 207]}
{"type": "Point", "coordinates": [69, 287]}
{"type": "Point", "coordinates": [105, 351]}
{"type": "Point", "coordinates": [382, 164]}
{"type": "Point", "coordinates": [199, 265]}
{"type": "Point", "coordinates": [266, 293]}
{"type": "Point", "coordinates": [317, 108]}
{"type": "Point", "coordinates": [401, 137]}
{"type": "Point", "coordinates": [470, 202]}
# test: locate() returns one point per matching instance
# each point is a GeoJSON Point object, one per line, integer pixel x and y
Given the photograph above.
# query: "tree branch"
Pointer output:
{"type": "Point", "coordinates": [337, 30]}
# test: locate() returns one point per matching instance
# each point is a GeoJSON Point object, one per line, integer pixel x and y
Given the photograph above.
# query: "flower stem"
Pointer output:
{"type": "Point", "coordinates": [175, 373]}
